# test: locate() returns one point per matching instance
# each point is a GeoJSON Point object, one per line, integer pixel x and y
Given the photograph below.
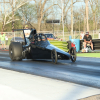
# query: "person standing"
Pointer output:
{"type": "Point", "coordinates": [99, 35]}
{"type": "Point", "coordinates": [27, 32]}
{"type": "Point", "coordinates": [2, 40]}
{"type": "Point", "coordinates": [82, 35]}
{"type": "Point", "coordinates": [6, 39]}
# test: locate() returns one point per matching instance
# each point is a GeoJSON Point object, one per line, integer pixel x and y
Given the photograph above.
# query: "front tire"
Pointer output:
{"type": "Point", "coordinates": [54, 56]}
{"type": "Point", "coordinates": [73, 54]}
{"type": "Point", "coordinates": [15, 51]}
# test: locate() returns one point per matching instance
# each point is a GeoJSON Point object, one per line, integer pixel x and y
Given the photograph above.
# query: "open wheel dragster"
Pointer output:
{"type": "Point", "coordinates": [38, 48]}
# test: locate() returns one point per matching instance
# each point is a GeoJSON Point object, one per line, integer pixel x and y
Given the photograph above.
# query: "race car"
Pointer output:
{"type": "Point", "coordinates": [50, 36]}
{"type": "Point", "coordinates": [38, 48]}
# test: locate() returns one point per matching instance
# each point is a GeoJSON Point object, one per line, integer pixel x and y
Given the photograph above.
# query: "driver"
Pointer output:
{"type": "Point", "coordinates": [39, 39]}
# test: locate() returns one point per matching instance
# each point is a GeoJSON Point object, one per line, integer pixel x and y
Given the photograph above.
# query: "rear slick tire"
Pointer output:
{"type": "Point", "coordinates": [15, 51]}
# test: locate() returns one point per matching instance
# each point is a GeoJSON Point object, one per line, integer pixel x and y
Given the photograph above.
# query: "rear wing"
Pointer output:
{"type": "Point", "coordinates": [21, 29]}
{"type": "Point", "coordinates": [33, 31]}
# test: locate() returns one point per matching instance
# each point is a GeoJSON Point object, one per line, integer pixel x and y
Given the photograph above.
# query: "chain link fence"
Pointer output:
{"type": "Point", "coordinates": [76, 34]}
{"type": "Point", "coordinates": [58, 34]}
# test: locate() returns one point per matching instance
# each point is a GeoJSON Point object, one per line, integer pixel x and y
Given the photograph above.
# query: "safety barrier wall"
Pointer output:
{"type": "Point", "coordinates": [60, 44]}
{"type": "Point", "coordinates": [96, 44]}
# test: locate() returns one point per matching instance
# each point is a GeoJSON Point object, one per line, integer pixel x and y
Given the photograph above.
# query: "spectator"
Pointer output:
{"type": "Point", "coordinates": [6, 38]}
{"type": "Point", "coordinates": [2, 37]}
{"type": "Point", "coordinates": [88, 40]}
{"type": "Point", "coordinates": [27, 33]}
{"type": "Point", "coordinates": [99, 35]}
{"type": "Point", "coordinates": [82, 35]}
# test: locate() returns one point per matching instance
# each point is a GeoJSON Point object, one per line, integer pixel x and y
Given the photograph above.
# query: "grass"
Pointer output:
{"type": "Point", "coordinates": [9, 39]}
{"type": "Point", "coordinates": [88, 55]}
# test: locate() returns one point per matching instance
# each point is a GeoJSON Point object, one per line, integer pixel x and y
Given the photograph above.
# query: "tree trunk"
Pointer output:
{"type": "Point", "coordinates": [39, 23]}
{"type": "Point", "coordinates": [93, 22]}
{"type": "Point", "coordinates": [84, 23]}
{"type": "Point", "coordinates": [3, 26]}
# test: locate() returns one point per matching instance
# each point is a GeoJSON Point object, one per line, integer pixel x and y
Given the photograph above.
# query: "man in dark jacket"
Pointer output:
{"type": "Point", "coordinates": [88, 40]}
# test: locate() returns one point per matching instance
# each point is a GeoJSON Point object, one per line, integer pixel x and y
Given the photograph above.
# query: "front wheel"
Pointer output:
{"type": "Point", "coordinates": [73, 54]}
{"type": "Point", "coordinates": [54, 56]}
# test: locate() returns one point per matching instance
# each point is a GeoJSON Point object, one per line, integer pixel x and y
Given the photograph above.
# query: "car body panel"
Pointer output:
{"type": "Point", "coordinates": [42, 50]}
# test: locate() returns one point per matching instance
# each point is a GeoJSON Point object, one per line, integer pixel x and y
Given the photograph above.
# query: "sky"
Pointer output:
{"type": "Point", "coordinates": [79, 4]}
{"type": "Point", "coordinates": [58, 14]}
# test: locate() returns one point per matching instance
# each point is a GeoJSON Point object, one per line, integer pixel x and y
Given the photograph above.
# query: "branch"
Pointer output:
{"type": "Point", "coordinates": [43, 6]}
{"type": "Point", "coordinates": [66, 4]}
{"type": "Point", "coordinates": [11, 21]}
{"type": "Point", "coordinates": [48, 9]}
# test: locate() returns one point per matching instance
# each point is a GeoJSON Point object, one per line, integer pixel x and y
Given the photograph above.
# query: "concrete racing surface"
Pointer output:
{"type": "Point", "coordinates": [21, 86]}
{"type": "Point", "coordinates": [85, 71]}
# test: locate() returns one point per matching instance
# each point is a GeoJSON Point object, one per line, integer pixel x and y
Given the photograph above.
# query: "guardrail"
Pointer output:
{"type": "Point", "coordinates": [96, 44]}
{"type": "Point", "coordinates": [59, 34]}
{"type": "Point", "coordinates": [60, 44]}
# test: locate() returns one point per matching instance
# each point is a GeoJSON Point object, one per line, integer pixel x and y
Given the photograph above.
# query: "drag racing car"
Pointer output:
{"type": "Point", "coordinates": [38, 48]}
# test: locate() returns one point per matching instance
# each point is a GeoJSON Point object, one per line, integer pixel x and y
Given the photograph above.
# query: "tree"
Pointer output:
{"type": "Point", "coordinates": [41, 10]}
{"type": "Point", "coordinates": [28, 14]}
{"type": "Point", "coordinates": [9, 9]}
{"type": "Point", "coordinates": [94, 9]}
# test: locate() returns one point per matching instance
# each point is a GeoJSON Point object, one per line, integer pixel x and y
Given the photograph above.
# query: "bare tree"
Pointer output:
{"type": "Point", "coordinates": [27, 13]}
{"type": "Point", "coordinates": [94, 8]}
{"type": "Point", "coordinates": [8, 11]}
{"type": "Point", "coordinates": [66, 7]}
{"type": "Point", "coordinates": [42, 8]}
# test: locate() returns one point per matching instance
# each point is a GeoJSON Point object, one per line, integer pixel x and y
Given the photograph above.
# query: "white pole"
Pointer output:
{"type": "Point", "coordinates": [52, 18]}
{"type": "Point", "coordinates": [87, 14]}
{"type": "Point", "coordinates": [93, 34]}
{"type": "Point", "coordinates": [74, 34]}
{"type": "Point", "coordinates": [62, 19]}
{"type": "Point", "coordinates": [14, 36]}
{"type": "Point", "coordinates": [72, 18]}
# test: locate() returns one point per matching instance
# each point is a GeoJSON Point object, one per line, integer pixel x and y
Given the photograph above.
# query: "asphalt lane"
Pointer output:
{"type": "Point", "coordinates": [85, 71]}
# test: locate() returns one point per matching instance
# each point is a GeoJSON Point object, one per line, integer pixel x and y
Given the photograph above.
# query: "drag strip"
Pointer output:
{"type": "Point", "coordinates": [84, 71]}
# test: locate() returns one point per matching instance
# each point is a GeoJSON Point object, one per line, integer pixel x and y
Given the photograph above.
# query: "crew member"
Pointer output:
{"type": "Point", "coordinates": [27, 32]}
{"type": "Point", "coordinates": [2, 36]}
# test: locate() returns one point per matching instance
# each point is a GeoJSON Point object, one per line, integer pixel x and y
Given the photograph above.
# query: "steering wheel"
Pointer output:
{"type": "Point", "coordinates": [36, 38]}
{"type": "Point", "coordinates": [41, 34]}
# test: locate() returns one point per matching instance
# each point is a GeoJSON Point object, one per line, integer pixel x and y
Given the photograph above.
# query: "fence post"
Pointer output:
{"type": "Point", "coordinates": [93, 34]}
{"type": "Point", "coordinates": [14, 36]}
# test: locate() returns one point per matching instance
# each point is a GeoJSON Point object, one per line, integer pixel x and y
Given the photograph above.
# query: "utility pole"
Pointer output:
{"type": "Point", "coordinates": [79, 24]}
{"type": "Point", "coordinates": [72, 18]}
{"type": "Point", "coordinates": [53, 18]}
{"type": "Point", "coordinates": [12, 4]}
{"type": "Point", "coordinates": [63, 18]}
{"type": "Point", "coordinates": [86, 1]}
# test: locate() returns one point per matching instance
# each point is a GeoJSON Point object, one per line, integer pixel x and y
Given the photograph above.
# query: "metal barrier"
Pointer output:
{"type": "Point", "coordinates": [96, 44]}
{"type": "Point", "coordinates": [60, 44]}
{"type": "Point", "coordinates": [59, 34]}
